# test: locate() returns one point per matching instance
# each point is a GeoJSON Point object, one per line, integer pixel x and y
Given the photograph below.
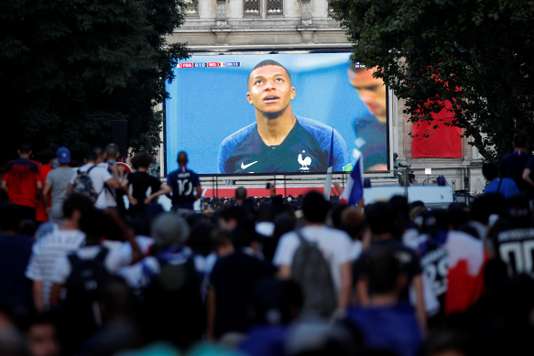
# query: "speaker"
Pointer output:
{"type": "Point", "coordinates": [119, 134]}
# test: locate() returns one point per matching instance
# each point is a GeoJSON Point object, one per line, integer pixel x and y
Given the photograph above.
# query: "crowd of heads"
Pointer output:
{"type": "Point", "coordinates": [389, 278]}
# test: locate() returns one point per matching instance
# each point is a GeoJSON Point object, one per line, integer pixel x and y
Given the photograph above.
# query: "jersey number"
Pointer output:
{"type": "Point", "coordinates": [518, 255]}
{"type": "Point", "coordinates": [436, 272]}
{"type": "Point", "coordinates": [185, 187]}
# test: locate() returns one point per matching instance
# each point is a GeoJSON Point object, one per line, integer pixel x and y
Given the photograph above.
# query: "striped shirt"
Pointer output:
{"type": "Point", "coordinates": [47, 251]}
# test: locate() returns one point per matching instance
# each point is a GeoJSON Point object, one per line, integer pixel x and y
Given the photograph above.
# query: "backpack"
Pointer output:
{"type": "Point", "coordinates": [83, 184]}
{"type": "Point", "coordinates": [84, 286]}
{"type": "Point", "coordinates": [173, 309]}
{"type": "Point", "coordinates": [311, 270]}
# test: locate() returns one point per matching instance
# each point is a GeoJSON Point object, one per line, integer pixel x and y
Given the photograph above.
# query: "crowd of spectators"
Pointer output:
{"type": "Point", "coordinates": [246, 276]}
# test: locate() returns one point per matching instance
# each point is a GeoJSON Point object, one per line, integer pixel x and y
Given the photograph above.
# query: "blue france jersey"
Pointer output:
{"type": "Point", "coordinates": [183, 183]}
{"type": "Point", "coordinates": [305, 149]}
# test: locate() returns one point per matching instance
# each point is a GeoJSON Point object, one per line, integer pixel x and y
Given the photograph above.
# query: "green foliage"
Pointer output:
{"type": "Point", "coordinates": [479, 54]}
{"type": "Point", "coordinates": [69, 67]}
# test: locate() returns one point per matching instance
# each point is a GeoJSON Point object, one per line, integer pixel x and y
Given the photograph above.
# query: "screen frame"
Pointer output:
{"type": "Point", "coordinates": [279, 50]}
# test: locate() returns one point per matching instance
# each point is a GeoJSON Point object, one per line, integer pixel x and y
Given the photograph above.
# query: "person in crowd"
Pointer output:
{"type": "Point", "coordinates": [119, 170]}
{"type": "Point", "coordinates": [496, 184]}
{"type": "Point", "coordinates": [232, 284]}
{"type": "Point", "coordinates": [513, 164]}
{"type": "Point", "coordinates": [15, 252]}
{"type": "Point", "coordinates": [184, 184]}
{"type": "Point", "coordinates": [142, 188]}
{"type": "Point", "coordinates": [330, 291]}
{"type": "Point", "coordinates": [382, 224]}
{"type": "Point", "coordinates": [57, 184]}
{"type": "Point", "coordinates": [512, 236]}
{"type": "Point", "coordinates": [46, 162]}
{"type": "Point", "coordinates": [100, 183]}
{"type": "Point", "coordinates": [42, 335]}
{"type": "Point", "coordinates": [54, 245]}
{"type": "Point", "coordinates": [22, 182]}
{"type": "Point", "coordinates": [387, 320]}
{"type": "Point", "coordinates": [277, 304]}
{"type": "Point", "coordinates": [173, 310]}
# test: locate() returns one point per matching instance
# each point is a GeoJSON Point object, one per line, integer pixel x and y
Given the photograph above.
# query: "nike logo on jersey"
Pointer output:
{"type": "Point", "coordinates": [245, 166]}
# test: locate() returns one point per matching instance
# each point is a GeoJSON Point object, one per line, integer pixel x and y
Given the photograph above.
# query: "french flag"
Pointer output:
{"type": "Point", "coordinates": [353, 192]}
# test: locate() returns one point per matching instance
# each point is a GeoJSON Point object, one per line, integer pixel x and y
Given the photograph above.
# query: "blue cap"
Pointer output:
{"type": "Point", "coordinates": [63, 155]}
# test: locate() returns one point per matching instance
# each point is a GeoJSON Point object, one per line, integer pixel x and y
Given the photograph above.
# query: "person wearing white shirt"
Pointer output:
{"type": "Point", "coordinates": [335, 245]}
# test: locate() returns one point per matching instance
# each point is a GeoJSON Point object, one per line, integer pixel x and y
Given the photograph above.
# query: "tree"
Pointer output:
{"type": "Point", "coordinates": [70, 67]}
{"type": "Point", "coordinates": [476, 54]}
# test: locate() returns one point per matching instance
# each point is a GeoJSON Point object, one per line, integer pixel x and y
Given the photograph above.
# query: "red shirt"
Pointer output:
{"type": "Point", "coordinates": [40, 213]}
{"type": "Point", "coordinates": [21, 179]}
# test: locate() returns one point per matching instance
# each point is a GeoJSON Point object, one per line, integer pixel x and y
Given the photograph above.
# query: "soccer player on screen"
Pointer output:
{"type": "Point", "coordinates": [279, 141]}
{"type": "Point", "coordinates": [371, 130]}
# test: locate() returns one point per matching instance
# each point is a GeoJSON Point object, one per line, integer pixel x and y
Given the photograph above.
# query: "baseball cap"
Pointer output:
{"type": "Point", "coordinates": [63, 155]}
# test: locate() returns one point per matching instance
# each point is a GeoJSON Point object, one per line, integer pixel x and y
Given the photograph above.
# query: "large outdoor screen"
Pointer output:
{"type": "Point", "coordinates": [275, 113]}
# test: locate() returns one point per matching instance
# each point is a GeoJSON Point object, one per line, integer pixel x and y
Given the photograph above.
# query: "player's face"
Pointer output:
{"type": "Point", "coordinates": [372, 91]}
{"type": "Point", "coordinates": [270, 89]}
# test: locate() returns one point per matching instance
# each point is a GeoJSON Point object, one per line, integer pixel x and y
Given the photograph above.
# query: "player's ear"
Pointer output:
{"type": "Point", "coordinates": [249, 98]}
{"type": "Point", "coordinates": [293, 93]}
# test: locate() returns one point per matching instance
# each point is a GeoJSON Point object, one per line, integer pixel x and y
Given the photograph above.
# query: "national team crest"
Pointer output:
{"type": "Point", "coordinates": [304, 161]}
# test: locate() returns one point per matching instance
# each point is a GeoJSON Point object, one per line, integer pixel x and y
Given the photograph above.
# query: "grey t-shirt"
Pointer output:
{"type": "Point", "coordinates": [59, 180]}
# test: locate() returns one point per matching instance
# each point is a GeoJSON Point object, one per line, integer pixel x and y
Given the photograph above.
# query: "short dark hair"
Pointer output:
{"type": "Point", "coordinates": [382, 270]}
{"type": "Point", "coordinates": [25, 148]}
{"type": "Point", "coordinates": [380, 217]}
{"type": "Point", "coordinates": [113, 150]}
{"type": "Point", "coordinates": [270, 62]}
{"type": "Point", "coordinates": [315, 207]}
{"type": "Point", "coordinates": [490, 171]}
{"type": "Point", "coordinates": [94, 153]}
{"type": "Point", "coordinates": [142, 159]}
{"type": "Point", "coordinates": [182, 153]}
{"type": "Point", "coordinates": [240, 193]}
{"type": "Point", "coordinates": [76, 201]}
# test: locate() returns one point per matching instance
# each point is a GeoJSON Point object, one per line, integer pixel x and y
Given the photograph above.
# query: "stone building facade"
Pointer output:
{"type": "Point", "coordinates": [275, 25]}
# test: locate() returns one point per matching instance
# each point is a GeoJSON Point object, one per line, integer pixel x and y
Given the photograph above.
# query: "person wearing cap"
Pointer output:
{"type": "Point", "coordinates": [172, 306]}
{"type": "Point", "coordinates": [57, 183]}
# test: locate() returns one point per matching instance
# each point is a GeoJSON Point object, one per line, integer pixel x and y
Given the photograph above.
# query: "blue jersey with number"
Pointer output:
{"type": "Point", "coordinates": [306, 148]}
{"type": "Point", "coordinates": [435, 263]}
{"type": "Point", "coordinates": [513, 243]}
{"type": "Point", "coordinates": [183, 183]}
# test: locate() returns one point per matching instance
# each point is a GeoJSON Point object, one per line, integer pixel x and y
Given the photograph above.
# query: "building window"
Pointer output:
{"type": "Point", "coordinates": [275, 7]}
{"type": "Point", "coordinates": [190, 7]}
{"type": "Point", "coordinates": [251, 8]}
{"type": "Point", "coordinates": [263, 8]}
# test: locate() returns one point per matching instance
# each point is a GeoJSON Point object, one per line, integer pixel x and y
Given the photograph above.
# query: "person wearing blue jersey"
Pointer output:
{"type": "Point", "coordinates": [184, 184]}
{"type": "Point", "coordinates": [371, 128]}
{"type": "Point", "coordinates": [279, 140]}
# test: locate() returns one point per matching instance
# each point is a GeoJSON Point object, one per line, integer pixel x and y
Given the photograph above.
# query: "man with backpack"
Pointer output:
{"type": "Point", "coordinates": [94, 180]}
{"type": "Point", "coordinates": [318, 258]}
{"type": "Point", "coordinates": [85, 272]}
{"type": "Point", "coordinates": [172, 310]}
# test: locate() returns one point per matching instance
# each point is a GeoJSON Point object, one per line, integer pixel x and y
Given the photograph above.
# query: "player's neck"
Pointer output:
{"type": "Point", "coordinates": [274, 131]}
